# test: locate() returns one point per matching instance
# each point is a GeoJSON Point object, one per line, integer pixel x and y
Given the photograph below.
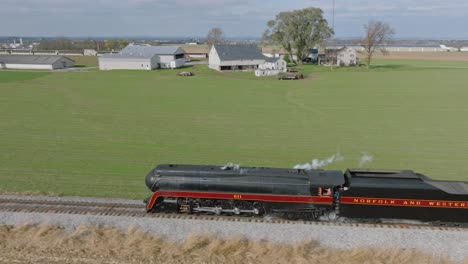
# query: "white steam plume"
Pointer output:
{"type": "Point", "coordinates": [316, 163]}
{"type": "Point", "coordinates": [365, 158]}
{"type": "Point", "coordinates": [230, 166]}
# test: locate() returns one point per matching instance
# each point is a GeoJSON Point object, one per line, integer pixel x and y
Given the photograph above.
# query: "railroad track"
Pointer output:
{"type": "Point", "coordinates": [136, 210]}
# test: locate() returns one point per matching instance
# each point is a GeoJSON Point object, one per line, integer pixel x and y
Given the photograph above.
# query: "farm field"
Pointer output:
{"type": "Point", "coordinates": [85, 61]}
{"type": "Point", "coordinates": [439, 56]}
{"type": "Point", "coordinates": [98, 133]}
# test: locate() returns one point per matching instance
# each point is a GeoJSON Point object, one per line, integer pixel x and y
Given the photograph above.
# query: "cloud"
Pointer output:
{"type": "Point", "coordinates": [236, 17]}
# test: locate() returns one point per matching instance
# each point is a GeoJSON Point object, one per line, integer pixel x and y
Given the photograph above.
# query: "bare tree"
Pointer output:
{"type": "Point", "coordinates": [215, 36]}
{"type": "Point", "coordinates": [377, 34]}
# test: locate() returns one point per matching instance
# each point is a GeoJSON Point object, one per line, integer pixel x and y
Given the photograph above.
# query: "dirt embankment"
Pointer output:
{"type": "Point", "coordinates": [45, 244]}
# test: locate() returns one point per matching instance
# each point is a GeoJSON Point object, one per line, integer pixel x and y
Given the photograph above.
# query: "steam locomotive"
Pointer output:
{"type": "Point", "coordinates": [306, 194]}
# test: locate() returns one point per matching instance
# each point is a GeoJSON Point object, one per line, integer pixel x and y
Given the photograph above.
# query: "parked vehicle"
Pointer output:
{"type": "Point", "coordinates": [185, 74]}
{"type": "Point", "coordinates": [290, 76]}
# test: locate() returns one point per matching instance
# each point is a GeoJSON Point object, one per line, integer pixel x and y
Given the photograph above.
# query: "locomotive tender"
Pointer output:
{"type": "Point", "coordinates": [305, 194]}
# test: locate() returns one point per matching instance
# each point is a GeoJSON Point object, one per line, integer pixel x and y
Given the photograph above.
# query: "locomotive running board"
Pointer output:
{"type": "Point", "coordinates": [219, 210]}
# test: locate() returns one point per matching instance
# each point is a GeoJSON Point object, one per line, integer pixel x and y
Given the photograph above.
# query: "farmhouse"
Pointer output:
{"type": "Point", "coordinates": [143, 57]}
{"type": "Point", "coordinates": [35, 62]}
{"type": "Point", "coordinates": [271, 66]}
{"type": "Point", "coordinates": [235, 57]}
{"type": "Point", "coordinates": [345, 56]}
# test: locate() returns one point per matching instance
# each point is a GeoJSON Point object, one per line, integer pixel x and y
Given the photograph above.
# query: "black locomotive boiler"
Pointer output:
{"type": "Point", "coordinates": [245, 190]}
{"type": "Point", "coordinates": [306, 194]}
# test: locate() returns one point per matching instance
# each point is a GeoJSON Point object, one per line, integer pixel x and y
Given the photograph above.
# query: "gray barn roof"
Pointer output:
{"type": "Point", "coordinates": [227, 52]}
{"type": "Point", "coordinates": [145, 51]}
{"type": "Point", "coordinates": [30, 59]}
{"type": "Point", "coordinates": [150, 51]}
{"type": "Point", "coordinates": [126, 56]}
{"type": "Point", "coordinates": [272, 59]}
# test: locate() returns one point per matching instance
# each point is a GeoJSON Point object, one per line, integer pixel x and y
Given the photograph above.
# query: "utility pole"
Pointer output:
{"type": "Point", "coordinates": [333, 27]}
{"type": "Point", "coordinates": [333, 20]}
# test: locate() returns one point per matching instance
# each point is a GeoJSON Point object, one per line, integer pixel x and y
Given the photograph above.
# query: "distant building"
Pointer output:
{"type": "Point", "coordinates": [89, 52]}
{"type": "Point", "coordinates": [273, 63]}
{"type": "Point", "coordinates": [143, 57]}
{"type": "Point", "coordinates": [345, 56]}
{"type": "Point", "coordinates": [274, 52]}
{"type": "Point", "coordinates": [197, 51]}
{"type": "Point", "coordinates": [225, 57]}
{"type": "Point", "coordinates": [35, 62]}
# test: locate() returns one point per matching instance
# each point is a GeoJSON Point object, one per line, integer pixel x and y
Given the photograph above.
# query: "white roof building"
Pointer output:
{"type": "Point", "coordinates": [143, 57]}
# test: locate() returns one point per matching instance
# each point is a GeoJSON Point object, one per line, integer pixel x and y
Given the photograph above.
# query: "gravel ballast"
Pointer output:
{"type": "Point", "coordinates": [449, 242]}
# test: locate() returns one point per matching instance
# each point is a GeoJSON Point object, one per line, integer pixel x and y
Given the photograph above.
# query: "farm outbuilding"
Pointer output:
{"type": "Point", "coordinates": [143, 57]}
{"type": "Point", "coordinates": [271, 66]}
{"type": "Point", "coordinates": [35, 62]}
{"type": "Point", "coordinates": [224, 57]}
{"type": "Point", "coordinates": [128, 62]}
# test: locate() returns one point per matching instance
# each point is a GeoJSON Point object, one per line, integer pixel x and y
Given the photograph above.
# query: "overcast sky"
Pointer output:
{"type": "Point", "coordinates": [238, 18]}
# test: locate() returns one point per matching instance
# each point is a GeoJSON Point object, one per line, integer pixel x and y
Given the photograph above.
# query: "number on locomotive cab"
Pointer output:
{"type": "Point", "coordinates": [237, 196]}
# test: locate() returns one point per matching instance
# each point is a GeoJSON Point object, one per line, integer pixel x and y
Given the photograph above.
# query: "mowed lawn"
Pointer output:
{"type": "Point", "coordinates": [98, 133]}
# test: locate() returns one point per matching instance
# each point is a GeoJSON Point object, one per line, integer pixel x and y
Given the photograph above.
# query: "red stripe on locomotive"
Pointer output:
{"type": "Point", "coordinates": [241, 196]}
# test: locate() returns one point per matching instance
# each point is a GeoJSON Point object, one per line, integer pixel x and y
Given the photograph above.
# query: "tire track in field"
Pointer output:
{"type": "Point", "coordinates": [319, 115]}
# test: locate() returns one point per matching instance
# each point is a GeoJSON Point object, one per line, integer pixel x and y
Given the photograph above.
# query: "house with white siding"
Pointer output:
{"type": "Point", "coordinates": [35, 62]}
{"type": "Point", "coordinates": [144, 57]}
{"type": "Point", "coordinates": [271, 66]}
{"type": "Point", "coordinates": [345, 56]}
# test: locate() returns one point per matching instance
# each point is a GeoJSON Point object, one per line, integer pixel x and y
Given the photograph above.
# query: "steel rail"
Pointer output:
{"type": "Point", "coordinates": [135, 210]}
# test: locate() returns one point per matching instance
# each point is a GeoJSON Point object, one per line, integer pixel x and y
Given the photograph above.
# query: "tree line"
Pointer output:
{"type": "Point", "coordinates": [68, 44]}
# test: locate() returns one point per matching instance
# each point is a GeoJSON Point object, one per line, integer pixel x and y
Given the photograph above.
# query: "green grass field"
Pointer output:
{"type": "Point", "coordinates": [99, 133]}
{"type": "Point", "coordinates": [85, 61]}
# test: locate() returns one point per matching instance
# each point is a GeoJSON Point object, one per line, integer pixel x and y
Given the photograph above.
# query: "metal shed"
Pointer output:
{"type": "Point", "coordinates": [35, 62]}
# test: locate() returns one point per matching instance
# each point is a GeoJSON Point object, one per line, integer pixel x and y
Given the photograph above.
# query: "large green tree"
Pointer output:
{"type": "Point", "coordinates": [299, 30]}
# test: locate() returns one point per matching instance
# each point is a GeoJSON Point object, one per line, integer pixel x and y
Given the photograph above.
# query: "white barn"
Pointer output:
{"type": "Point", "coordinates": [224, 57]}
{"type": "Point", "coordinates": [35, 62]}
{"type": "Point", "coordinates": [143, 57]}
